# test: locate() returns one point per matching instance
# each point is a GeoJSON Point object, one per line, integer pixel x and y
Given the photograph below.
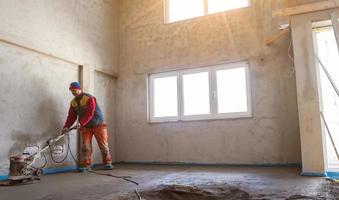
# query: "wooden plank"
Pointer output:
{"type": "Point", "coordinates": [307, 8]}
{"type": "Point", "coordinates": [335, 25]}
{"type": "Point", "coordinates": [277, 36]}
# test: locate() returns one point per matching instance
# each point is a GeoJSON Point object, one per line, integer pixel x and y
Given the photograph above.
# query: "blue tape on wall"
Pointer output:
{"type": "Point", "coordinates": [3, 178]}
{"type": "Point", "coordinates": [333, 175]}
{"type": "Point", "coordinates": [209, 164]}
{"type": "Point", "coordinates": [60, 170]}
{"type": "Point", "coordinates": [50, 171]}
{"type": "Point", "coordinates": [314, 174]}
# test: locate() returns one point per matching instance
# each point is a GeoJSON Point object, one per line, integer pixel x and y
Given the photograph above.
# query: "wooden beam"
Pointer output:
{"type": "Point", "coordinates": [307, 8]}
{"type": "Point", "coordinates": [277, 36]}
{"type": "Point", "coordinates": [335, 24]}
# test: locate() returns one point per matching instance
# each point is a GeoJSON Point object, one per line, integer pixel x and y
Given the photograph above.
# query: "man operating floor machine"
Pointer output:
{"type": "Point", "coordinates": [85, 108]}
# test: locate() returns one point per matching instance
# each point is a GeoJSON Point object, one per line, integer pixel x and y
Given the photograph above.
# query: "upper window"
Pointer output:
{"type": "Point", "coordinates": [213, 92]}
{"type": "Point", "coordinates": [177, 10]}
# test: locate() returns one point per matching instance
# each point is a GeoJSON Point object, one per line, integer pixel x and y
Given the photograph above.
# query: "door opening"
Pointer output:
{"type": "Point", "coordinates": [327, 59]}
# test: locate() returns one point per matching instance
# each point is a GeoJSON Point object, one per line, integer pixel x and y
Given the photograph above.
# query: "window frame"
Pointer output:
{"type": "Point", "coordinates": [151, 98]}
{"type": "Point", "coordinates": [206, 4]}
{"type": "Point", "coordinates": [181, 97]}
{"type": "Point", "coordinates": [248, 91]}
{"type": "Point", "coordinates": [213, 94]}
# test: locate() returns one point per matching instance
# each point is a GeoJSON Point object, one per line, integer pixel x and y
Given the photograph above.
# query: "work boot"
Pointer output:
{"type": "Point", "coordinates": [84, 169]}
{"type": "Point", "coordinates": [108, 166]}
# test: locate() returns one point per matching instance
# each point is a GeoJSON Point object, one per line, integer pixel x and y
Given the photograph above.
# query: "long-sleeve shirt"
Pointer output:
{"type": "Point", "coordinates": [85, 107]}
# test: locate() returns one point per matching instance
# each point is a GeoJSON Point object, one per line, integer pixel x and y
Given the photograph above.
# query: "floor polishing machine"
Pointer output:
{"type": "Point", "coordinates": [22, 171]}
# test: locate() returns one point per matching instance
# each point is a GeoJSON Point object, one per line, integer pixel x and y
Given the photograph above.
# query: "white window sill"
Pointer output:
{"type": "Point", "coordinates": [229, 116]}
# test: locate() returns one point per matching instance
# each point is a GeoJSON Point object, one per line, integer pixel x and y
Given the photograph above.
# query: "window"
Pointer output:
{"type": "Point", "coordinates": [184, 9]}
{"type": "Point", "coordinates": [231, 89]}
{"type": "Point", "coordinates": [164, 101]}
{"type": "Point", "coordinates": [213, 92]}
{"type": "Point", "coordinates": [215, 6]}
{"type": "Point", "coordinates": [177, 10]}
{"type": "Point", "coordinates": [196, 99]}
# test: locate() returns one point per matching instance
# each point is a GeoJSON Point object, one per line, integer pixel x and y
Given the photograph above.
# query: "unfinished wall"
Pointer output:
{"type": "Point", "coordinates": [147, 46]}
{"type": "Point", "coordinates": [34, 88]}
{"type": "Point", "coordinates": [33, 101]}
{"type": "Point", "coordinates": [104, 90]}
{"type": "Point", "coordinates": [300, 2]}
{"type": "Point", "coordinates": [79, 30]}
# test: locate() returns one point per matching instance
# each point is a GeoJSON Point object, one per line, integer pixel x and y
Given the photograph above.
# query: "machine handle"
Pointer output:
{"type": "Point", "coordinates": [51, 141]}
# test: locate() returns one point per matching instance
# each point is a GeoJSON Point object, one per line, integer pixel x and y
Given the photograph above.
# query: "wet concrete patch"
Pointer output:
{"type": "Point", "coordinates": [328, 191]}
{"type": "Point", "coordinates": [180, 192]}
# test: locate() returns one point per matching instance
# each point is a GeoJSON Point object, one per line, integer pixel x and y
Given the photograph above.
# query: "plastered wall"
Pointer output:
{"type": "Point", "coordinates": [33, 101]}
{"type": "Point", "coordinates": [82, 31]}
{"type": "Point", "coordinates": [34, 88]}
{"type": "Point", "coordinates": [147, 45]}
{"type": "Point", "coordinates": [104, 90]}
{"type": "Point", "coordinates": [300, 2]}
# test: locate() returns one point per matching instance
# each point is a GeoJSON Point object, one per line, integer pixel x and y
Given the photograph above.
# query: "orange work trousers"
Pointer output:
{"type": "Point", "coordinates": [100, 134]}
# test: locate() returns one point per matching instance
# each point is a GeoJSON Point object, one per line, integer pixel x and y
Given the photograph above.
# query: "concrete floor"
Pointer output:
{"type": "Point", "coordinates": [259, 182]}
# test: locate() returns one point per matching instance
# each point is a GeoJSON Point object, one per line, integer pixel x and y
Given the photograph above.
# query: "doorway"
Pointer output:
{"type": "Point", "coordinates": [327, 59]}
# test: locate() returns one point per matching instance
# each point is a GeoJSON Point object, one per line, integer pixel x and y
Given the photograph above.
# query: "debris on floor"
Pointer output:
{"type": "Point", "coordinates": [329, 191]}
{"type": "Point", "coordinates": [183, 192]}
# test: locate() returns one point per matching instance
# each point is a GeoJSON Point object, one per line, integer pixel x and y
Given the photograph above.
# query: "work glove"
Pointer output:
{"type": "Point", "coordinates": [64, 130]}
{"type": "Point", "coordinates": [77, 126]}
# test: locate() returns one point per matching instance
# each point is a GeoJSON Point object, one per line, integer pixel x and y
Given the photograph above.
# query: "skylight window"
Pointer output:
{"type": "Point", "coordinates": [215, 6]}
{"type": "Point", "coordinates": [177, 10]}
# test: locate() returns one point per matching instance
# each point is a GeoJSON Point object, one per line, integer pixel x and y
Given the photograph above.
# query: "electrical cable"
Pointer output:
{"type": "Point", "coordinates": [126, 178]}
{"type": "Point", "coordinates": [69, 151]}
{"type": "Point", "coordinates": [45, 162]}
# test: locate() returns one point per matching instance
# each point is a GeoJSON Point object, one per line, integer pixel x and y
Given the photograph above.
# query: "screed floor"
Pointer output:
{"type": "Point", "coordinates": [178, 182]}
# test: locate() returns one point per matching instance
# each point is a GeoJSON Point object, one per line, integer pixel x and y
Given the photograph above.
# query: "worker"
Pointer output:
{"type": "Point", "coordinates": [85, 107]}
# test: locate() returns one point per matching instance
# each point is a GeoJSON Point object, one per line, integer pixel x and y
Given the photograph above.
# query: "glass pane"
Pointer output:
{"type": "Point", "coordinates": [196, 94]}
{"type": "Point", "coordinates": [184, 9]}
{"type": "Point", "coordinates": [215, 6]}
{"type": "Point", "coordinates": [165, 97]}
{"type": "Point", "coordinates": [232, 90]}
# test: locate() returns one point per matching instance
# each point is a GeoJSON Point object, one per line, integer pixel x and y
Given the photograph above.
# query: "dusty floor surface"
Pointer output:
{"type": "Point", "coordinates": [178, 183]}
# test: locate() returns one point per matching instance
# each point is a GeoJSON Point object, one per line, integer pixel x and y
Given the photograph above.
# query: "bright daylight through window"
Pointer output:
{"type": "Point", "coordinates": [177, 10]}
{"type": "Point", "coordinates": [214, 92]}
{"type": "Point", "coordinates": [327, 51]}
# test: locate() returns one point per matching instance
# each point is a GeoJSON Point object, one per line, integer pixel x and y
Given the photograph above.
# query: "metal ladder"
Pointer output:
{"type": "Point", "coordinates": [335, 24]}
